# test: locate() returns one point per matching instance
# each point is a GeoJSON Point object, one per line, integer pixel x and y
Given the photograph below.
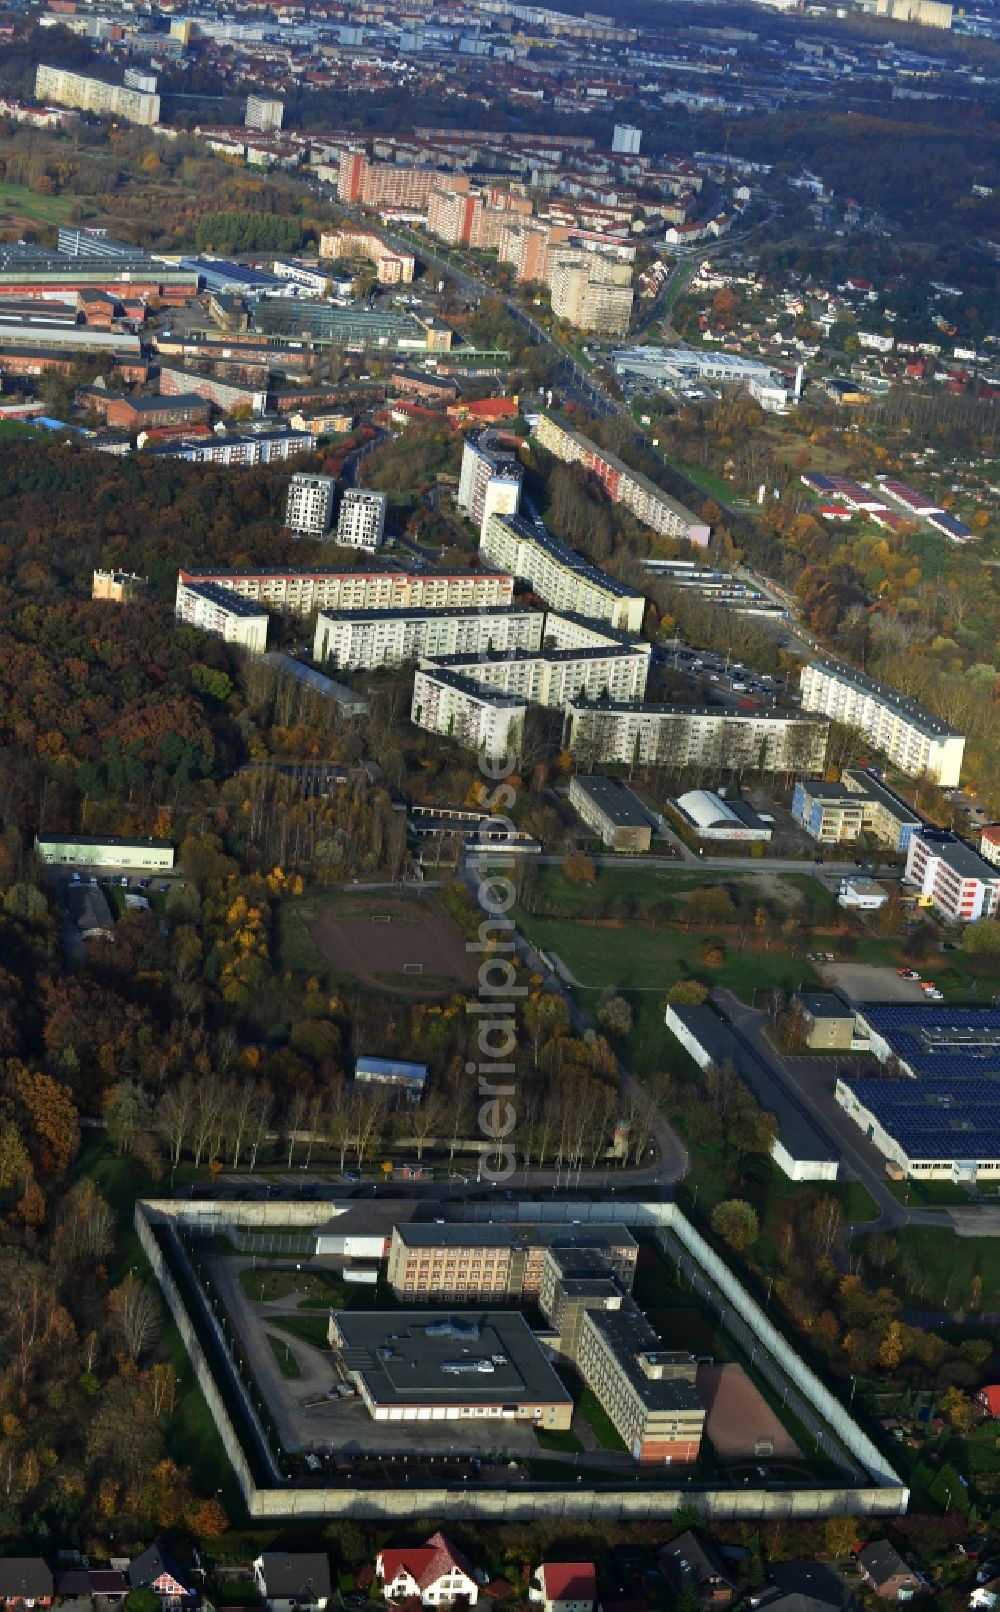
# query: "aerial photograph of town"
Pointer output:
{"type": "Point", "coordinates": [499, 805]}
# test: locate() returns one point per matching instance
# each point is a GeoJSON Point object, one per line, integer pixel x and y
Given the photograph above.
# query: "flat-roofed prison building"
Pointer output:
{"type": "Point", "coordinates": [433, 1367]}
{"type": "Point", "coordinates": [484, 1264]}
{"type": "Point", "coordinates": [917, 742]}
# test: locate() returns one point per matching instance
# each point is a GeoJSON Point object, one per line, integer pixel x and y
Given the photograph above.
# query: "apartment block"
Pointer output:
{"type": "Point", "coordinates": [309, 504]}
{"type": "Point", "coordinates": [915, 741]}
{"type": "Point", "coordinates": [299, 593]}
{"type": "Point", "coordinates": [622, 484]}
{"type": "Point", "coordinates": [263, 448]}
{"type": "Point", "coordinates": [590, 292]}
{"type": "Point", "coordinates": [365, 639]}
{"type": "Point", "coordinates": [87, 94]}
{"type": "Point", "coordinates": [488, 1264]}
{"type": "Point", "coordinates": [388, 185]}
{"type": "Point", "coordinates": [490, 479]}
{"type": "Point", "coordinates": [453, 216]}
{"type": "Point", "coordinates": [556, 677]}
{"type": "Point", "coordinates": [264, 113]}
{"type": "Point", "coordinates": [483, 719]}
{"type": "Point", "coordinates": [361, 519]}
{"type": "Point", "coordinates": [391, 267]}
{"type": "Point", "coordinates": [558, 575]}
{"type": "Point", "coordinates": [223, 614]}
{"type": "Point", "coordinates": [961, 884]}
{"type": "Point", "coordinates": [678, 737]}
{"type": "Point", "coordinates": [614, 813]}
{"type": "Point", "coordinates": [526, 246]}
{"type": "Point", "coordinates": [841, 813]}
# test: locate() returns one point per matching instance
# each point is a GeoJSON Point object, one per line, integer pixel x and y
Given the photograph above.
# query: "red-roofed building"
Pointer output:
{"type": "Point", "coordinates": [988, 1400]}
{"type": "Point", "coordinates": [564, 1587]}
{"type": "Point", "coordinates": [434, 1573]}
{"type": "Point", "coordinates": [835, 512]}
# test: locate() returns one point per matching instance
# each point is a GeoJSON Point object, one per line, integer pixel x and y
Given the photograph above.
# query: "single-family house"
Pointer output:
{"type": "Point", "coordinates": [293, 1580]}
{"type": "Point", "coordinates": [802, 1587]}
{"type": "Point", "coordinates": [988, 1401]}
{"type": "Point", "coordinates": [564, 1587]}
{"type": "Point", "coordinates": [434, 1573]}
{"type": "Point", "coordinates": [691, 1560]}
{"type": "Point", "coordinates": [882, 1567]}
{"type": "Point", "coordinates": [25, 1581]}
{"type": "Point", "coordinates": [156, 1569]}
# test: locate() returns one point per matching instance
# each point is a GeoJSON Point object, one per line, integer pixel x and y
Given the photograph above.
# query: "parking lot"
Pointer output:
{"type": "Point", "coordinates": [724, 681]}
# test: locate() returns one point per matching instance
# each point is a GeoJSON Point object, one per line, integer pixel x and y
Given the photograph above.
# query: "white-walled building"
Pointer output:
{"type": "Point", "coordinates": [361, 521]}
{"type": "Point", "coordinates": [309, 503]}
{"type": "Point", "coordinates": [299, 593]}
{"type": "Point", "coordinates": [223, 614]}
{"type": "Point", "coordinates": [679, 736]}
{"type": "Point", "coordinates": [559, 576]}
{"type": "Point", "coordinates": [264, 113]}
{"type": "Point", "coordinates": [483, 719]}
{"type": "Point", "coordinates": [490, 479]}
{"type": "Point", "coordinates": [918, 743]}
{"type": "Point", "coordinates": [962, 885]}
{"type": "Point", "coordinates": [363, 640]}
{"type": "Point", "coordinates": [66, 88]}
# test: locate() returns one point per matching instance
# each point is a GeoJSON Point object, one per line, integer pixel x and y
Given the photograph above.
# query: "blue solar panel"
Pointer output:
{"type": "Point", "coordinates": [951, 1109]}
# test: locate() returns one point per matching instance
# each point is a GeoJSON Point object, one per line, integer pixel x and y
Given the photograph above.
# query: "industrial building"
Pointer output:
{"type": "Point", "coordinates": [611, 809]}
{"type": "Point", "coordinates": [799, 1150]}
{"type": "Point", "coordinates": [941, 1120]}
{"type": "Point", "coordinates": [309, 504]}
{"type": "Point", "coordinates": [681, 736]}
{"type": "Point", "coordinates": [431, 1366]}
{"type": "Point", "coordinates": [490, 478]}
{"type": "Point", "coordinates": [299, 593]}
{"type": "Point", "coordinates": [960, 884]}
{"type": "Point", "coordinates": [222, 614]}
{"type": "Point", "coordinates": [681, 368]}
{"type": "Point", "coordinates": [98, 851]}
{"type": "Point", "coordinates": [623, 485]}
{"type": "Point", "coordinates": [364, 640]}
{"type": "Point", "coordinates": [559, 576]}
{"type": "Point", "coordinates": [361, 519]}
{"type": "Point", "coordinates": [918, 743]}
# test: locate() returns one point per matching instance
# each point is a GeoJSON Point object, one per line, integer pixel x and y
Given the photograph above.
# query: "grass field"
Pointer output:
{"type": "Point", "coordinates": [947, 1265]}
{"type": "Point", "coordinates": [17, 201]}
{"type": "Point", "coordinates": [600, 1422]}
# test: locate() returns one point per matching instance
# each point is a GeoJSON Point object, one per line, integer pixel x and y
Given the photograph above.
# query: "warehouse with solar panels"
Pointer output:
{"type": "Point", "coordinates": [937, 1115]}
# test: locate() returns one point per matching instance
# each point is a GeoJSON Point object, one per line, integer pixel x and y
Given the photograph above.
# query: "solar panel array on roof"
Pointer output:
{"type": "Point", "coordinates": [940, 1044]}
{"type": "Point", "coordinates": [951, 527]}
{"type": "Point", "coordinates": [956, 1117]}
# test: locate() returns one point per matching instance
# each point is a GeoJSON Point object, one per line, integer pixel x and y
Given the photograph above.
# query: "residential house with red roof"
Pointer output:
{"type": "Point", "coordinates": [564, 1587]}
{"type": "Point", "coordinates": [434, 1573]}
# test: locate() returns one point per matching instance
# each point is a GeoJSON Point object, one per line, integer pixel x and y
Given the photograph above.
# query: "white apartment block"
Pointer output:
{"type": "Point", "coordinates": [366, 639]}
{"type": "Point", "coordinates": [482, 719]}
{"type": "Point", "coordinates": [623, 485]}
{"type": "Point", "coordinates": [299, 593]}
{"type": "Point", "coordinates": [223, 614]}
{"type": "Point", "coordinates": [687, 736]}
{"type": "Point", "coordinates": [559, 576]}
{"type": "Point", "coordinates": [94, 95]}
{"type": "Point", "coordinates": [961, 884]}
{"type": "Point", "coordinates": [915, 741]}
{"type": "Point", "coordinates": [264, 113]}
{"type": "Point", "coordinates": [361, 521]}
{"type": "Point", "coordinates": [309, 504]}
{"type": "Point", "coordinates": [556, 677]}
{"type": "Point", "coordinates": [490, 479]}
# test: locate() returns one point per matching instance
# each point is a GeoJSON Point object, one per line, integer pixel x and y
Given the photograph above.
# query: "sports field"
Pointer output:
{"type": "Point", "coordinates": [385, 940]}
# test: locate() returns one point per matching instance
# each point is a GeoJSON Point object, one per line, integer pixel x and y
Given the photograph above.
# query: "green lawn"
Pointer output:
{"type": "Point", "coordinates": [295, 951]}
{"type": "Point", "coordinates": [600, 1422]}
{"type": "Point", "coordinates": [18, 200]}
{"type": "Point", "coordinates": [935, 1268]}
{"type": "Point", "coordinates": [559, 1443]}
{"type": "Point", "coordinates": [309, 1328]}
{"type": "Point", "coordinates": [192, 1434]}
{"type": "Point", "coordinates": [287, 1363]}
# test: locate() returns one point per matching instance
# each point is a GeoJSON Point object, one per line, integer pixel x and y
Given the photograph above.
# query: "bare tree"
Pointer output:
{"type": "Point", "coordinates": [136, 1315]}
{"type": "Point", "coordinates": [175, 1115]}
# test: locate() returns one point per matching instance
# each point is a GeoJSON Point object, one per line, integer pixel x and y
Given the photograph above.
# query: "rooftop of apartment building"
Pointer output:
{"type": "Point", "coordinates": [915, 713]}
